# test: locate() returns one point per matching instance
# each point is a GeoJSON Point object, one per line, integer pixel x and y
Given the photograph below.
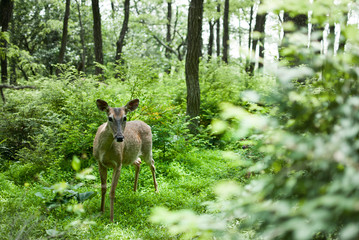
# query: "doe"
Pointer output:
{"type": "Point", "coordinates": [119, 143]}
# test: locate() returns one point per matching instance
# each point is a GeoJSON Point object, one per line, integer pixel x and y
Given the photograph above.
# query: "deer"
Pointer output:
{"type": "Point", "coordinates": [118, 143]}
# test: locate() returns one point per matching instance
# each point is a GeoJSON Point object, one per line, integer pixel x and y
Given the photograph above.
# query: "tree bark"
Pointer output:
{"type": "Point", "coordinates": [259, 27]}
{"type": "Point", "coordinates": [113, 8]}
{"type": "Point", "coordinates": [331, 39]}
{"type": "Point", "coordinates": [342, 39]}
{"type": "Point", "coordinates": [218, 32]}
{"type": "Point", "coordinates": [249, 65]}
{"type": "Point", "coordinates": [226, 31]}
{"type": "Point", "coordinates": [250, 28]}
{"type": "Point", "coordinates": [168, 35]}
{"type": "Point", "coordinates": [82, 65]}
{"type": "Point", "coordinates": [6, 9]}
{"type": "Point", "coordinates": [210, 39]}
{"type": "Point", "coordinates": [121, 40]}
{"type": "Point", "coordinates": [194, 38]}
{"type": "Point", "coordinates": [97, 35]}
{"type": "Point", "coordinates": [64, 32]}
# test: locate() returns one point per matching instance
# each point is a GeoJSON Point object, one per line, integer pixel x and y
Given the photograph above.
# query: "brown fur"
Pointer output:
{"type": "Point", "coordinates": [137, 141]}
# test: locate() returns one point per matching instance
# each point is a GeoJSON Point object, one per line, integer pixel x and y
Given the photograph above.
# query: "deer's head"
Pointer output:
{"type": "Point", "coordinates": [116, 117]}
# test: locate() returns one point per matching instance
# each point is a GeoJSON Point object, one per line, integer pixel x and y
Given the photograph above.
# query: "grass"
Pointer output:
{"type": "Point", "coordinates": [184, 183]}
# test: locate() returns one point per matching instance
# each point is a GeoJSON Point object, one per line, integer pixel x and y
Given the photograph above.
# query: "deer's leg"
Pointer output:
{"type": "Point", "coordinates": [115, 177]}
{"type": "Point", "coordinates": [103, 176]}
{"type": "Point", "coordinates": [137, 164]}
{"type": "Point", "coordinates": [153, 171]}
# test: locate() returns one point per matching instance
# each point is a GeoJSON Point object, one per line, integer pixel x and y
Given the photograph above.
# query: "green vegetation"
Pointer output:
{"type": "Point", "coordinates": [46, 127]}
{"type": "Point", "coordinates": [275, 154]}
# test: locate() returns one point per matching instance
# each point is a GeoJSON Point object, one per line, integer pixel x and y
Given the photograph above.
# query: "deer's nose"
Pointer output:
{"type": "Point", "coordinates": [120, 138]}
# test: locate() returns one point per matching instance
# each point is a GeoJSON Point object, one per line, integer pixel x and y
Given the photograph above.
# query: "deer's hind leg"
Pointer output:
{"type": "Point", "coordinates": [151, 163]}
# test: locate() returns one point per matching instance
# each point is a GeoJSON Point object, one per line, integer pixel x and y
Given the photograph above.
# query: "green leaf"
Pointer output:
{"type": "Point", "coordinates": [54, 233]}
{"type": "Point", "coordinates": [60, 187]}
{"type": "Point", "coordinates": [81, 197]}
{"type": "Point", "coordinates": [76, 163]}
{"type": "Point", "coordinates": [350, 231]}
{"type": "Point", "coordinates": [39, 194]}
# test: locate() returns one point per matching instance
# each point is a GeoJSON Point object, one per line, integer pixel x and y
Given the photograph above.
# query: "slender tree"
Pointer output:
{"type": "Point", "coordinates": [97, 35]}
{"type": "Point", "coordinates": [82, 64]}
{"type": "Point", "coordinates": [6, 8]}
{"type": "Point", "coordinates": [194, 40]}
{"type": "Point", "coordinates": [249, 58]}
{"type": "Point", "coordinates": [259, 28]}
{"type": "Point", "coordinates": [121, 40]}
{"type": "Point", "coordinates": [218, 31]}
{"type": "Point", "coordinates": [250, 27]}
{"type": "Point", "coordinates": [342, 38]}
{"type": "Point", "coordinates": [64, 32]}
{"type": "Point", "coordinates": [210, 38]}
{"type": "Point", "coordinates": [225, 31]}
{"type": "Point", "coordinates": [168, 25]}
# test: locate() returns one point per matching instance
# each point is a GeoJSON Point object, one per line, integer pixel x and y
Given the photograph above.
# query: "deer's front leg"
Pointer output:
{"type": "Point", "coordinates": [103, 176]}
{"type": "Point", "coordinates": [137, 164]}
{"type": "Point", "coordinates": [115, 177]}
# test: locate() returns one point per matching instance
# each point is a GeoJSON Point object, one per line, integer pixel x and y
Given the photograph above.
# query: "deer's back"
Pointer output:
{"type": "Point", "coordinates": [138, 140]}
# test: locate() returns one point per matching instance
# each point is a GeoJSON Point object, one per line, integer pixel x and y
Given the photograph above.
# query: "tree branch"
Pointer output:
{"type": "Point", "coordinates": [12, 87]}
{"type": "Point", "coordinates": [164, 44]}
{"type": "Point", "coordinates": [16, 87]}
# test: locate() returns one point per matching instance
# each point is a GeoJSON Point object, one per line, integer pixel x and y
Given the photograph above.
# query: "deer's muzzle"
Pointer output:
{"type": "Point", "coordinates": [120, 138]}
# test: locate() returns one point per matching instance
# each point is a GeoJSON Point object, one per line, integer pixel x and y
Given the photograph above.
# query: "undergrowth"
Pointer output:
{"type": "Point", "coordinates": [43, 129]}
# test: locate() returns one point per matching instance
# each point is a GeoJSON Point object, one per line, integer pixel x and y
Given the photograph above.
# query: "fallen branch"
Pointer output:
{"type": "Point", "coordinates": [12, 87]}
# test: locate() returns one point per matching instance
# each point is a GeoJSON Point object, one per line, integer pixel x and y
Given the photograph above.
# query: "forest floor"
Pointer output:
{"type": "Point", "coordinates": [185, 183]}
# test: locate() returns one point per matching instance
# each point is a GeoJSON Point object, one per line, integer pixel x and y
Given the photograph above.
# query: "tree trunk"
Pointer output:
{"type": "Point", "coordinates": [168, 35]}
{"type": "Point", "coordinates": [121, 40]}
{"type": "Point", "coordinates": [194, 38]}
{"type": "Point", "coordinates": [226, 31]}
{"type": "Point", "coordinates": [210, 39]}
{"type": "Point", "coordinates": [6, 8]}
{"type": "Point", "coordinates": [250, 28]}
{"type": "Point", "coordinates": [82, 38]}
{"type": "Point", "coordinates": [64, 32]}
{"type": "Point", "coordinates": [13, 72]}
{"type": "Point", "coordinates": [342, 39]}
{"type": "Point", "coordinates": [259, 27]}
{"type": "Point", "coordinates": [113, 8]}
{"type": "Point", "coordinates": [97, 35]}
{"type": "Point", "coordinates": [331, 39]}
{"type": "Point", "coordinates": [218, 32]}
{"type": "Point", "coordinates": [249, 65]}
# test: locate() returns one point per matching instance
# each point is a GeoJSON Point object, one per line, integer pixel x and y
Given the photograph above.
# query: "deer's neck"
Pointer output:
{"type": "Point", "coordinates": [106, 139]}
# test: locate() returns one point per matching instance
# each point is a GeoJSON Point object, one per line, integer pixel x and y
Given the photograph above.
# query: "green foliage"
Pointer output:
{"type": "Point", "coordinates": [289, 169]}
{"type": "Point", "coordinates": [305, 183]}
{"type": "Point", "coordinates": [185, 184]}
{"type": "Point", "coordinates": [61, 118]}
{"type": "Point", "coordinates": [64, 192]}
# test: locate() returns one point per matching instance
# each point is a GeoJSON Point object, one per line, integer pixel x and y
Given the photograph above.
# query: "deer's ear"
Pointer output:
{"type": "Point", "coordinates": [102, 105]}
{"type": "Point", "coordinates": [132, 105]}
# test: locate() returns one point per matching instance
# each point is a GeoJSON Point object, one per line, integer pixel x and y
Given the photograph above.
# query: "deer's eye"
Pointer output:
{"type": "Point", "coordinates": [110, 119]}
{"type": "Point", "coordinates": [124, 118]}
